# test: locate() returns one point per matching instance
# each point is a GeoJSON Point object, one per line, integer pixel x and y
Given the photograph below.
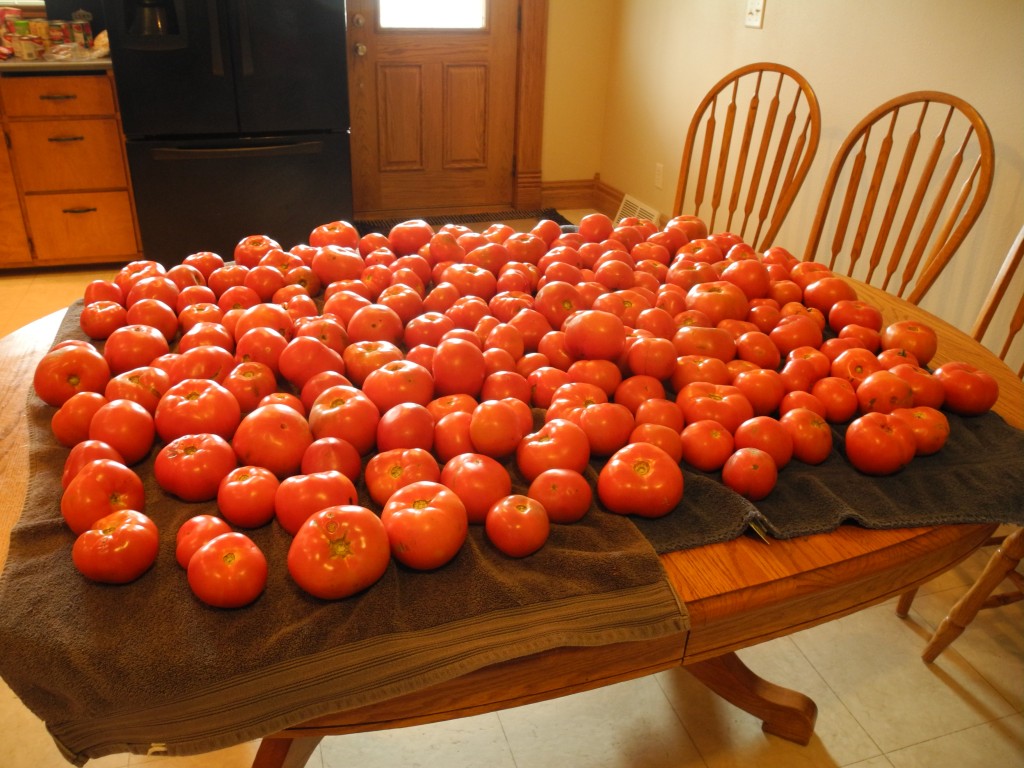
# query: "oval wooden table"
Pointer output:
{"type": "Point", "coordinates": [737, 593]}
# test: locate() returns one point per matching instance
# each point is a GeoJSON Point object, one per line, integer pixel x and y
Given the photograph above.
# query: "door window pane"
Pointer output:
{"type": "Point", "coordinates": [439, 14]}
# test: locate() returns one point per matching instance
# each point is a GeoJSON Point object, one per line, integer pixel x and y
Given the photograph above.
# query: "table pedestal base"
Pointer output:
{"type": "Point", "coordinates": [783, 712]}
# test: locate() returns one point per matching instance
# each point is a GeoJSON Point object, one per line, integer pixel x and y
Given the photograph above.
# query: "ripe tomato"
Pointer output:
{"type": "Point", "coordinates": [855, 365]}
{"type": "Point", "coordinates": [143, 385]}
{"type": "Point", "coordinates": [723, 403]}
{"type": "Point", "coordinates": [250, 382]}
{"type": "Point", "coordinates": [345, 412]}
{"type": "Point", "coordinates": [718, 299]}
{"type": "Point", "coordinates": [245, 496]}
{"type": "Point", "coordinates": [117, 548]}
{"type": "Point", "coordinates": [969, 391]}
{"type": "Point", "coordinates": [458, 368]}
{"type": "Point", "coordinates": [67, 369]}
{"type": "Point", "coordinates": [406, 425]}
{"type": "Point", "coordinates": [409, 236]}
{"type": "Point", "coordinates": [666, 438]}
{"type": "Point", "coordinates": [100, 318]}
{"type": "Point", "coordinates": [195, 532]}
{"type": "Point", "coordinates": [915, 337]}
{"type": "Point", "coordinates": [558, 444]}
{"type": "Point", "coordinates": [70, 424]}
{"type": "Point", "coordinates": [564, 493]}
{"type": "Point", "coordinates": [929, 425]}
{"type": "Point", "coordinates": [193, 406]}
{"type": "Point", "coordinates": [884, 391]}
{"type": "Point", "coordinates": [273, 436]}
{"type": "Point", "coordinates": [478, 480]}
{"type": "Point", "coordinates": [769, 435]}
{"type": "Point", "coordinates": [706, 445]}
{"type": "Point", "coordinates": [84, 452]}
{"type": "Point", "coordinates": [595, 335]}
{"type": "Point", "coordinates": [494, 428]}
{"type": "Point", "coordinates": [810, 433]}
{"type": "Point", "coordinates": [928, 390]}
{"type": "Point", "coordinates": [879, 444]}
{"type": "Point", "coordinates": [750, 472]}
{"type": "Point", "coordinates": [838, 396]}
{"type": "Point", "coordinates": [764, 388]}
{"type": "Point", "coordinates": [99, 488]}
{"type": "Point", "coordinates": [299, 496]}
{"type": "Point", "coordinates": [192, 467]}
{"type": "Point", "coordinates": [640, 479]}
{"type": "Point", "coordinates": [133, 346]}
{"type": "Point", "coordinates": [228, 571]}
{"type": "Point", "coordinates": [388, 471]}
{"type": "Point", "coordinates": [426, 524]}
{"type": "Point", "coordinates": [606, 425]}
{"type": "Point", "coordinates": [339, 551]}
{"type": "Point", "coordinates": [517, 525]}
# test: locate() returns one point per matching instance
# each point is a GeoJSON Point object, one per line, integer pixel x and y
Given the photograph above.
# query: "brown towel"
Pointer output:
{"type": "Point", "coordinates": [118, 668]}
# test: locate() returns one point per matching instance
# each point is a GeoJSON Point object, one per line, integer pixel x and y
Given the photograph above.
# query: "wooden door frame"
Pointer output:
{"type": "Point", "coordinates": [530, 72]}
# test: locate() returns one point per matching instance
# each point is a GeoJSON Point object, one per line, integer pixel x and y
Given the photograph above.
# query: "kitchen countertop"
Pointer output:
{"type": "Point", "coordinates": [19, 66]}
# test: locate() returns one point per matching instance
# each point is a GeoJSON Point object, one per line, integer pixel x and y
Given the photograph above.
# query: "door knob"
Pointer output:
{"type": "Point", "coordinates": [358, 20]}
{"type": "Point", "coordinates": [360, 49]}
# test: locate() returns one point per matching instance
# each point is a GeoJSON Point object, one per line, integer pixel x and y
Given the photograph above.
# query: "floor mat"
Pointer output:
{"type": "Point", "coordinates": [385, 225]}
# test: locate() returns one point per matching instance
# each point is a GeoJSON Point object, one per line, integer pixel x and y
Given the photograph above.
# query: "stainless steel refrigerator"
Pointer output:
{"type": "Point", "coordinates": [235, 114]}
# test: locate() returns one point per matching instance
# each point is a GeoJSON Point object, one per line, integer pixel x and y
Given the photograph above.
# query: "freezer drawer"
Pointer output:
{"type": "Point", "coordinates": [206, 196]}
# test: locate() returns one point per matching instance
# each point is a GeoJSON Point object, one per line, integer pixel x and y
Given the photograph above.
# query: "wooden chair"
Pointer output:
{"type": "Point", "coordinates": [748, 148]}
{"type": "Point", "coordinates": [908, 182]}
{"type": "Point", "coordinates": [1003, 563]}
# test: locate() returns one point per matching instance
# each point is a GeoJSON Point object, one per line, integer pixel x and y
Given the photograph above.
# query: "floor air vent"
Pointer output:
{"type": "Point", "coordinates": [630, 206]}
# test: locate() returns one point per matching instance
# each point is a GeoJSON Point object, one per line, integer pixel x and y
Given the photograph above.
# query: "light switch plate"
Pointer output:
{"type": "Point", "coordinates": [755, 14]}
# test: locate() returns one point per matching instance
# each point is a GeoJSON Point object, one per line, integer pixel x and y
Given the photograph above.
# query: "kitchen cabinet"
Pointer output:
{"type": "Point", "coordinates": [68, 168]}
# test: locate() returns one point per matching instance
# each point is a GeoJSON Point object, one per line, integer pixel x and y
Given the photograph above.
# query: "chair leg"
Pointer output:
{"type": "Point", "coordinates": [1003, 561]}
{"type": "Point", "coordinates": [906, 599]}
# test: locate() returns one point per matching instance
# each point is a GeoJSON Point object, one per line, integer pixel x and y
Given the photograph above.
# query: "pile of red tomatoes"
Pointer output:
{"type": "Point", "coordinates": [425, 364]}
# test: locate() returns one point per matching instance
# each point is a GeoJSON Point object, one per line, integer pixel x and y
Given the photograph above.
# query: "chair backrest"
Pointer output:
{"type": "Point", "coordinates": [748, 148]}
{"type": "Point", "coordinates": [995, 297]}
{"type": "Point", "coordinates": [909, 182]}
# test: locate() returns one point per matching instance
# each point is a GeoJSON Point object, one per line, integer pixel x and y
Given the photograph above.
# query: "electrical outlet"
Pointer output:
{"type": "Point", "coordinates": [755, 14]}
{"type": "Point", "coordinates": [659, 174]}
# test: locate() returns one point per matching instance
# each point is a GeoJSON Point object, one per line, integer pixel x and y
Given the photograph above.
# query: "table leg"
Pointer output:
{"type": "Point", "coordinates": [285, 753]}
{"type": "Point", "coordinates": [784, 712]}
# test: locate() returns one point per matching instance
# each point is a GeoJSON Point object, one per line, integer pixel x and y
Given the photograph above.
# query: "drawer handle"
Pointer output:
{"type": "Point", "coordinates": [79, 210]}
{"type": "Point", "coordinates": [58, 96]}
{"type": "Point", "coordinates": [66, 138]}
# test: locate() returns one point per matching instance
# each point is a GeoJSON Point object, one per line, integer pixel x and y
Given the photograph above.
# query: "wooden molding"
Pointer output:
{"type": "Point", "coordinates": [533, 32]}
{"type": "Point", "coordinates": [583, 193]}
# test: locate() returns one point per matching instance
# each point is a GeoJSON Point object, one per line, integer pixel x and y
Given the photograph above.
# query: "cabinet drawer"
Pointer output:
{"type": "Point", "coordinates": [57, 96]}
{"type": "Point", "coordinates": [90, 226]}
{"type": "Point", "coordinates": [57, 155]}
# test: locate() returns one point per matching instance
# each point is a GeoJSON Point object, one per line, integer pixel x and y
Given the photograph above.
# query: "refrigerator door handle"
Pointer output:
{"type": "Point", "coordinates": [216, 48]}
{"type": "Point", "coordinates": [245, 37]}
{"type": "Point", "coordinates": [217, 153]}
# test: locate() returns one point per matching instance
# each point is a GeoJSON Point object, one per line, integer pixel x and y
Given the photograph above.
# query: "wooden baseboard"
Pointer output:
{"type": "Point", "coordinates": [583, 193]}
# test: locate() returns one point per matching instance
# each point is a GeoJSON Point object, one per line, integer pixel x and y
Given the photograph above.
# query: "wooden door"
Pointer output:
{"type": "Point", "coordinates": [433, 113]}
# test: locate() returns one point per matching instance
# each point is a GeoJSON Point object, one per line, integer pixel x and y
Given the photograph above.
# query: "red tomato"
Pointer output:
{"type": "Point", "coordinates": [409, 236]}
{"type": "Point", "coordinates": [426, 524]}
{"type": "Point", "coordinates": [345, 412]}
{"type": "Point", "coordinates": [133, 346]}
{"type": "Point", "coordinates": [517, 525]}
{"type": "Point", "coordinates": [640, 479]}
{"type": "Point", "coordinates": [299, 496]}
{"type": "Point", "coordinates": [915, 337]}
{"type": "Point", "coordinates": [883, 392]}
{"type": "Point", "coordinates": [399, 381]}
{"type": "Point", "coordinates": [250, 382]}
{"type": "Point", "coordinates": [764, 388]}
{"type": "Point", "coordinates": [929, 425]}
{"type": "Point", "coordinates": [811, 435]}
{"type": "Point", "coordinates": [769, 435]}
{"type": "Point", "coordinates": [928, 390]}
{"type": "Point", "coordinates": [193, 406]}
{"type": "Point", "coordinates": [494, 428]}
{"type": "Point", "coordinates": [706, 445]}
{"type": "Point", "coordinates": [388, 471]}
{"type": "Point", "coordinates": [750, 472]}
{"type": "Point", "coordinates": [595, 335]}
{"type": "Point", "coordinates": [70, 424]}
{"type": "Point", "coordinates": [250, 249]}
{"type": "Point", "coordinates": [195, 532]}
{"type": "Point", "coordinates": [338, 552]}
{"type": "Point", "coordinates": [305, 356]}
{"type": "Point", "coordinates": [406, 425]}
{"type": "Point", "coordinates": [100, 318]}
{"type": "Point", "coordinates": [191, 467]}
{"type": "Point", "coordinates": [606, 425]}
{"type": "Point", "coordinates": [458, 368]}
{"type": "Point", "coordinates": [795, 331]}
{"type": "Point", "coordinates": [143, 385]}
{"type": "Point", "coordinates": [666, 438]}
{"type": "Point", "coordinates": [969, 391]}
{"type": "Point", "coordinates": [117, 548]}
{"type": "Point", "coordinates": [99, 488]}
{"type": "Point", "coordinates": [228, 571]}
{"type": "Point", "coordinates": [838, 396]}
{"type": "Point", "coordinates": [723, 403]}
{"type": "Point", "coordinates": [478, 480]}
{"type": "Point", "coordinates": [558, 444]}
{"type": "Point", "coordinates": [823, 294]}
{"type": "Point", "coordinates": [273, 436]}
{"type": "Point", "coordinates": [245, 496]}
{"type": "Point", "coordinates": [879, 444]}
{"type": "Point", "coordinates": [68, 369]}
{"type": "Point", "coordinates": [564, 493]}
{"type": "Point", "coordinates": [855, 365]}
{"type": "Point", "coordinates": [718, 299]}
{"type": "Point", "coordinates": [84, 452]}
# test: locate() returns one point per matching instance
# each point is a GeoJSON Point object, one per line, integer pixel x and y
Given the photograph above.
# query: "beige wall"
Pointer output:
{"type": "Point", "coordinates": [625, 75]}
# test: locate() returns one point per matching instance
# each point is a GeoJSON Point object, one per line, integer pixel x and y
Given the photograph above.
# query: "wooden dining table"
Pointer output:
{"type": "Point", "coordinates": [737, 593]}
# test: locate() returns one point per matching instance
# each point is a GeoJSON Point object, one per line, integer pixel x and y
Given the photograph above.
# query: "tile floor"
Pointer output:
{"type": "Point", "coordinates": [879, 705]}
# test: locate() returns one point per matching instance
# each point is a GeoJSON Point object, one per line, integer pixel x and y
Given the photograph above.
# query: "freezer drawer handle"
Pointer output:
{"type": "Point", "coordinates": [79, 210]}
{"type": "Point", "coordinates": [273, 150]}
{"type": "Point", "coordinates": [58, 96]}
{"type": "Point", "coordinates": [66, 138]}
